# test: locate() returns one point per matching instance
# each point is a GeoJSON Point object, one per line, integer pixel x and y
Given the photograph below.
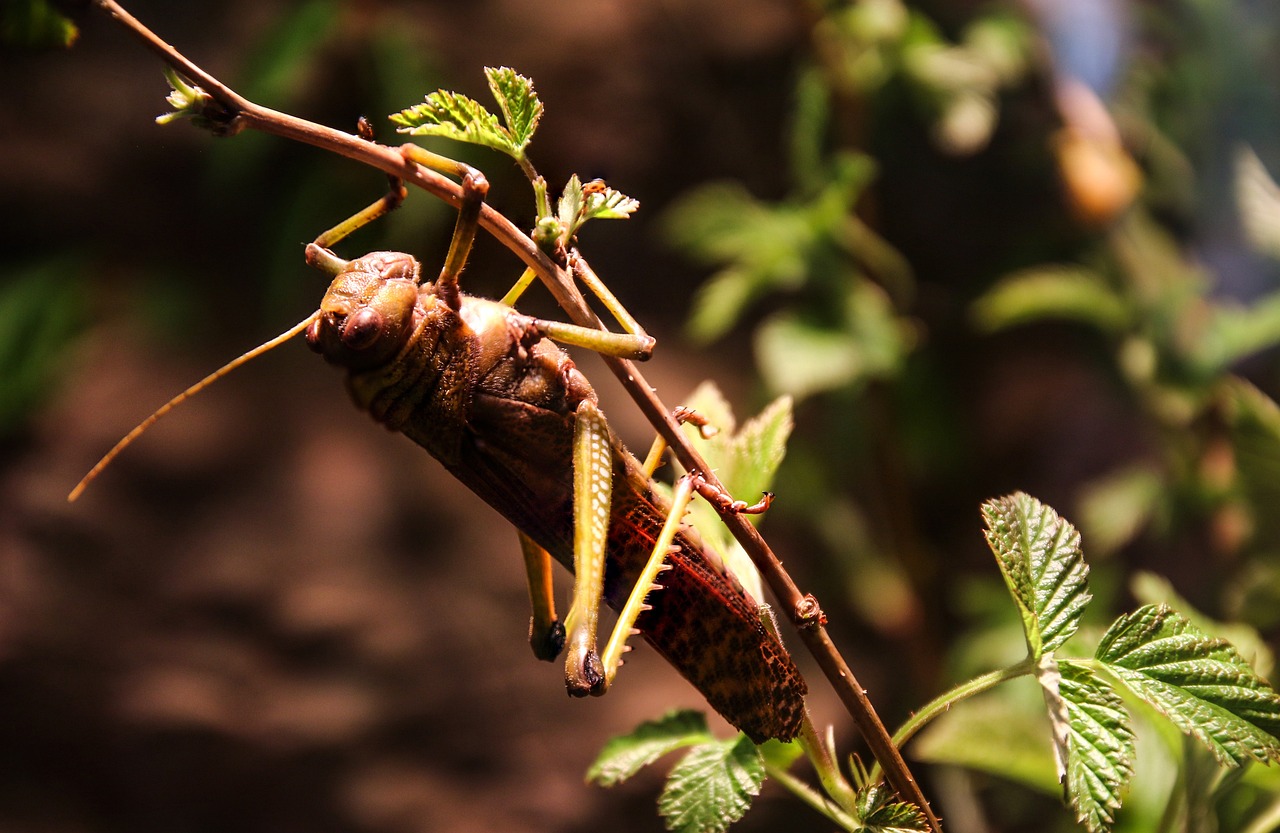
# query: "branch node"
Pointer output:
{"type": "Point", "coordinates": [808, 613]}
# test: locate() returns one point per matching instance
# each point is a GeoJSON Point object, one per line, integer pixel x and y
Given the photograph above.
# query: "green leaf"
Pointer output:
{"type": "Point", "coordinates": [571, 203]}
{"type": "Point", "coordinates": [781, 754]}
{"type": "Point", "coordinates": [800, 358]}
{"type": "Point", "coordinates": [879, 812]}
{"type": "Point", "coordinates": [810, 117]}
{"type": "Point", "coordinates": [1068, 292]}
{"type": "Point", "coordinates": [457, 117]}
{"type": "Point", "coordinates": [712, 787]}
{"type": "Point", "coordinates": [464, 119]}
{"type": "Point", "coordinates": [1200, 683]}
{"type": "Point", "coordinates": [518, 102]}
{"type": "Point", "coordinates": [626, 755]}
{"type": "Point", "coordinates": [1150, 588]}
{"type": "Point", "coordinates": [1117, 507]}
{"type": "Point", "coordinates": [594, 200]}
{"type": "Point", "coordinates": [187, 100]}
{"type": "Point", "coordinates": [604, 203]}
{"type": "Point", "coordinates": [809, 353]}
{"type": "Point", "coordinates": [1040, 558]}
{"type": "Point", "coordinates": [35, 24]}
{"type": "Point", "coordinates": [745, 460]}
{"type": "Point", "coordinates": [1235, 332]}
{"type": "Point", "coordinates": [1096, 747]}
{"type": "Point", "coordinates": [1254, 420]}
{"type": "Point", "coordinates": [720, 302]}
{"type": "Point", "coordinates": [760, 247]}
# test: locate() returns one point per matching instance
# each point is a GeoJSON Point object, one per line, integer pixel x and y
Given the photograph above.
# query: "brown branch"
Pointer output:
{"type": "Point", "coordinates": [803, 610]}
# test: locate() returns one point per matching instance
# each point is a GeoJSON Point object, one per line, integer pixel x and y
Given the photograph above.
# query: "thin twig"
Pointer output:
{"type": "Point", "coordinates": [804, 610]}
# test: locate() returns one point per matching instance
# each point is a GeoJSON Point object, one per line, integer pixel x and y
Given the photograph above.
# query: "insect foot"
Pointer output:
{"type": "Point", "coordinates": [586, 676]}
{"type": "Point", "coordinates": [721, 500]}
{"type": "Point", "coordinates": [547, 646]}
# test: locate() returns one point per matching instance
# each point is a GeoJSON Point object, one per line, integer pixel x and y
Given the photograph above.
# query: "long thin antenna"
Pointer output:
{"type": "Point", "coordinates": [177, 400]}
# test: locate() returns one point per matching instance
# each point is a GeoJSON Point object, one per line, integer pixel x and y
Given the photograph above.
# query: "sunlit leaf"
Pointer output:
{"type": "Point", "coordinates": [1199, 682]}
{"type": "Point", "coordinates": [800, 358]}
{"type": "Point", "coordinates": [781, 754]}
{"type": "Point", "coordinates": [759, 247]}
{"type": "Point", "coordinates": [995, 734]}
{"type": "Point", "coordinates": [720, 302]}
{"type": "Point", "coordinates": [1040, 558]}
{"type": "Point", "coordinates": [187, 100]}
{"type": "Point", "coordinates": [1152, 589]}
{"type": "Point", "coordinates": [1097, 752]}
{"type": "Point", "coordinates": [625, 755]}
{"type": "Point", "coordinates": [800, 355]}
{"type": "Point", "coordinates": [879, 811]}
{"type": "Point", "coordinates": [605, 203]}
{"type": "Point", "coordinates": [745, 461]}
{"type": "Point", "coordinates": [1254, 420]}
{"type": "Point", "coordinates": [712, 787]}
{"type": "Point", "coordinates": [456, 117]}
{"type": "Point", "coordinates": [1117, 507]}
{"type": "Point", "coordinates": [590, 201]}
{"type": "Point", "coordinates": [519, 103]}
{"type": "Point", "coordinates": [1235, 332]}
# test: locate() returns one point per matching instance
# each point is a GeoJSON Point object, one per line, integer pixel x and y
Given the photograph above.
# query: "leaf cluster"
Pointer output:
{"type": "Point", "coordinates": [849, 333]}
{"type": "Point", "coordinates": [463, 119]}
{"type": "Point", "coordinates": [1199, 683]}
{"type": "Point", "coordinates": [713, 784]}
{"type": "Point", "coordinates": [460, 118]}
{"type": "Point", "coordinates": [1154, 659]}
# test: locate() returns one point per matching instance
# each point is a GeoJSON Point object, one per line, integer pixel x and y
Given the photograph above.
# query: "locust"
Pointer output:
{"type": "Point", "coordinates": [490, 393]}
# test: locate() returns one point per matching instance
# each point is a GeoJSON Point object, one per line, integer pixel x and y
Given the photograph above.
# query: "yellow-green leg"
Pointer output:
{"type": "Point", "coordinates": [320, 251]}
{"type": "Point", "coordinates": [592, 495]}
{"type": "Point", "coordinates": [587, 671]}
{"type": "Point", "coordinates": [592, 281]}
{"type": "Point", "coordinates": [611, 659]}
{"type": "Point", "coordinates": [633, 343]}
{"type": "Point", "coordinates": [474, 190]}
{"type": "Point", "coordinates": [546, 633]}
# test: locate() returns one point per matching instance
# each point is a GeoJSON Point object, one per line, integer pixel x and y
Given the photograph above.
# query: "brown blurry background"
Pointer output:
{"type": "Point", "coordinates": [270, 614]}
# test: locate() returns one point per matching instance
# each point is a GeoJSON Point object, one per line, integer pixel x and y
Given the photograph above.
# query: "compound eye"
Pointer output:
{"type": "Point", "coordinates": [362, 329]}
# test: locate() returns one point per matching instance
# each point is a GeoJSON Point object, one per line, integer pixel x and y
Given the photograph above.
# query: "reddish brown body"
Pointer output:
{"type": "Point", "coordinates": [494, 402]}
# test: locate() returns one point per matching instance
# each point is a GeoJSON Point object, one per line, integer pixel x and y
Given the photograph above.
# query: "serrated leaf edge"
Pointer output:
{"type": "Point", "coordinates": [1124, 652]}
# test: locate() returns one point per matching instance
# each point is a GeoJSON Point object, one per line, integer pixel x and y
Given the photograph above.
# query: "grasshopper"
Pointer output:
{"type": "Point", "coordinates": [487, 392]}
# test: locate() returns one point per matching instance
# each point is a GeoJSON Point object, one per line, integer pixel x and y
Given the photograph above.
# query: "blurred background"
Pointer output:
{"type": "Point", "coordinates": [985, 246]}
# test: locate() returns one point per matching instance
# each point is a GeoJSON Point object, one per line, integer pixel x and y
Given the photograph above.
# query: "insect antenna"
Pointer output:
{"type": "Point", "coordinates": [189, 392]}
